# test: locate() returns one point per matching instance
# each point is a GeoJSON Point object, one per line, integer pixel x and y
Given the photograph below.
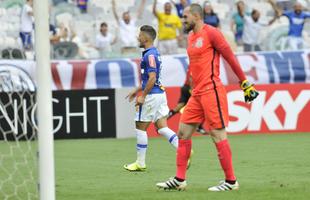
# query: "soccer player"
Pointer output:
{"type": "Point", "coordinates": [184, 97]}
{"type": "Point", "coordinates": [152, 104]}
{"type": "Point", "coordinates": [209, 100]}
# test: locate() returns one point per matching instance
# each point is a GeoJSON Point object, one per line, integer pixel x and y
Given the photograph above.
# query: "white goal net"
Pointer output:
{"type": "Point", "coordinates": [18, 140]}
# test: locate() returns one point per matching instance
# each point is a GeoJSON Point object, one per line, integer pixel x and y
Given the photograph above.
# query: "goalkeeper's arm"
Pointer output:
{"type": "Point", "coordinates": [250, 93]}
{"type": "Point", "coordinates": [220, 44]}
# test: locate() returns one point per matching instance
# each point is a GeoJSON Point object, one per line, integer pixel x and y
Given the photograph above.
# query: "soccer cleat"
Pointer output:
{"type": "Point", "coordinates": [189, 162]}
{"type": "Point", "coordinates": [172, 184]}
{"type": "Point", "coordinates": [224, 186]}
{"type": "Point", "coordinates": [134, 167]}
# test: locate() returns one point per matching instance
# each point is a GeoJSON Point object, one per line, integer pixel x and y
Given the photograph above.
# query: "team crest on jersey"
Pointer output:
{"type": "Point", "coordinates": [199, 42]}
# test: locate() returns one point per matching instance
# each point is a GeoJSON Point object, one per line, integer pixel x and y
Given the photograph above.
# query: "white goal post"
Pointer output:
{"type": "Point", "coordinates": [44, 100]}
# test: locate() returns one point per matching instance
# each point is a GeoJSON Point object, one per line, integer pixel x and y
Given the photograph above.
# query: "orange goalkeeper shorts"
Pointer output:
{"type": "Point", "coordinates": [210, 108]}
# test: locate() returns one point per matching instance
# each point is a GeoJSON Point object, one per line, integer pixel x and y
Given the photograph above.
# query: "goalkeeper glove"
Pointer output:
{"type": "Point", "coordinates": [250, 93]}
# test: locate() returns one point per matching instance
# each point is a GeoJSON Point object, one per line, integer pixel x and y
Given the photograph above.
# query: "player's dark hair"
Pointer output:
{"type": "Point", "coordinates": [196, 8]}
{"type": "Point", "coordinates": [149, 30]}
{"type": "Point", "coordinates": [103, 24]}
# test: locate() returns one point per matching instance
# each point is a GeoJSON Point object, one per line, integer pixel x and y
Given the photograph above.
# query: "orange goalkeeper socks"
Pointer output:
{"type": "Point", "coordinates": [183, 154]}
{"type": "Point", "coordinates": [225, 158]}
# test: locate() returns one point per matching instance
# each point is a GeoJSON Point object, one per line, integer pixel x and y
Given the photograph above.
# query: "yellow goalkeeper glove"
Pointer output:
{"type": "Point", "coordinates": [250, 93]}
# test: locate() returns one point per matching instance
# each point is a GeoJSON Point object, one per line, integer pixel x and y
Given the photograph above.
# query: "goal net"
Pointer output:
{"type": "Point", "coordinates": [18, 140]}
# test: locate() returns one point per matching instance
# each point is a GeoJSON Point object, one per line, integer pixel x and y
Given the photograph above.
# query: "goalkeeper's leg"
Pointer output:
{"type": "Point", "coordinates": [171, 136]}
{"type": "Point", "coordinates": [183, 154]}
{"type": "Point", "coordinates": [220, 140]}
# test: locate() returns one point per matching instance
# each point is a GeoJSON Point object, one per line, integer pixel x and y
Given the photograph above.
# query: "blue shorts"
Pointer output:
{"type": "Point", "coordinates": [238, 37]}
{"type": "Point", "coordinates": [26, 40]}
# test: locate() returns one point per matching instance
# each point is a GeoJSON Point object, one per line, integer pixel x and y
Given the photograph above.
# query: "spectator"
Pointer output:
{"type": "Point", "coordinates": [284, 4]}
{"type": "Point", "coordinates": [180, 6]}
{"type": "Point", "coordinates": [54, 37]}
{"type": "Point", "coordinates": [66, 33]}
{"type": "Point", "coordinates": [168, 24]}
{"type": "Point", "coordinates": [128, 28]}
{"type": "Point", "coordinates": [210, 17]}
{"type": "Point", "coordinates": [104, 40]}
{"type": "Point", "coordinates": [65, 42]}
{"type": "Point", "coordinates": [237, 22]}
{"type": "Point", "coordinates": [297, 18]}
{"type": "Point", "coordinates": [252, 27]}
{"type": "Point", "coordinates": [26, 25]}
{"type": "Point", "coordinates": [82, 5]}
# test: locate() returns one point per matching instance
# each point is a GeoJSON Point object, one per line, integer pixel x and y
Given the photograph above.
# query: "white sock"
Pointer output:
{"type": "Point", "coordinates": [141, 146]}
{"type": "Point", "coordinates": [170, 135]}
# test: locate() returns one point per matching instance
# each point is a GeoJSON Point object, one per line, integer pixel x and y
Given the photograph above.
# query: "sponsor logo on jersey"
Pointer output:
{"type": "Point", "coordinates": [152, 61]}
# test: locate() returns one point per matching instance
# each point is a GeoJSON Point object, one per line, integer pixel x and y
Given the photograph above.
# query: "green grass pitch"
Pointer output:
{"type": "Point", "coordinates": [268, 167]}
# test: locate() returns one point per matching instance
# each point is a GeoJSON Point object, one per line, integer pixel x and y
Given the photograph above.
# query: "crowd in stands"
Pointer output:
{"type": "Point", "coordinates": [94, 29]}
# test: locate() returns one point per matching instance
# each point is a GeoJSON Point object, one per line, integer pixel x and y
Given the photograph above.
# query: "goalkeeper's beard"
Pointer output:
{"type": "Point", "coordinates": [189, 27]}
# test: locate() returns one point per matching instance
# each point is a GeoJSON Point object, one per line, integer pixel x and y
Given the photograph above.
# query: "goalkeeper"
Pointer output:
{"type": "Point", "coordinates": [184, 97]}
{"type": "Point", "coordinates": [208, 102]}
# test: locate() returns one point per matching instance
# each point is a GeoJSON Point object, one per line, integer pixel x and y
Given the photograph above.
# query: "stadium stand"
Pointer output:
{"type": "Point", "coordinates": [85, 26]}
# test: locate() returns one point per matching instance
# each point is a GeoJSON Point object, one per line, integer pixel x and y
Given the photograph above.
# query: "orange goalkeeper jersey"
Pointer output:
{"type": "Point", "coordinates": [204, 50]}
